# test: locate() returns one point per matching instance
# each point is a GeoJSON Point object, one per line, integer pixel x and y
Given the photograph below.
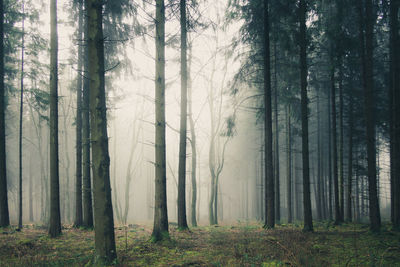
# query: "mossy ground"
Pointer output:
{"type": "Point", "coordinates": [242, 244]}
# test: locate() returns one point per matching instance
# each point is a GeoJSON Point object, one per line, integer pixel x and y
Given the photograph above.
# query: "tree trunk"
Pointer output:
{"type": "Point", "coordinates": [289, 166]}
{"type": "Point", "coordinates": [276, 139]}
{"type": "Point", "coordinates": [308, 226]}
{"type": "Point", "coordinates": [182, 222]}
{"type": "Point", "coordinates": [350, 160]}
{"type": "Point", "coordinates": [334, 146]}
{"type": "Point", "coordinates": [78, 183]}
{"type": "Point", "coordinates": [329, 119]}
{"type": "Point", "coordinates": [269, 177]}
{"type": "Point", "coordinates": [394, 94]}
{"type": "Point", "coordinates": [369, 109]}
{"type": "Point", "coordinates": [193, 146]}
{"type": "Point", "coordinates": [341, 141]}
{"type": "Point", "coordinates": [87, 187]}
{"type": "Point", "coordinates": [4, 213]}
{"type": "Point", "coordinates": [160, 229]}
{"type": "Point", "coordinates": [21, 111]}
{"type": "Point", "coordinates": [104, 231]}
{"type": "Point", "coordinates": [55, 218]}
{"type": "Point", "coordinates": [318, 195]}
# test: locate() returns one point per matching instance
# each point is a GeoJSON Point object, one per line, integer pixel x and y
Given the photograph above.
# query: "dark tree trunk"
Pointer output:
{"type": "Point", "coordinates": [289, 166]}
{"type": "Point", "coordinates": [78, 183]}
{"type": "Point", "coordinates": [276, 141]}
{"type": "Point", "coordinates": [182, 222]}
{"type": "Point", "coordinates": [341, 141]}
{"type": "Point", "coordinates": [394, 94]}
{"type": "Point", "coordinates": [330, 206]}
{"type": "Point", "coordinates": [318, 195]}
{"type": "Point", "coordinates": [308, 226]}
{"type": "Point", "coordinates": [104, 231]}
{"type": "Point", "coordinates": [369, 105]}
{"type": "Point", "coordinates": [194, 149]}
{"type": "Point", "coordinates": [160, 229]}
{"type": "Point", "coordinates": [334, 146]}
{"type": "Point", "coordinates": [86, 179]}
{"type": "Point", "coordinates": [269, 177]}
{"type": "Point", "coordinates": [4, 214]}
{"type": "Point", "coordinates": [21, 112]}
{"type": "Point", "coordinates": [55, 218]}
{"type": "Point", "coordinates": [350, 160]}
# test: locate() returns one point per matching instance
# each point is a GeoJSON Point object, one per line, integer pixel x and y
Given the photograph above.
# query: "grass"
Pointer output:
{"type": "Point", "coordinates": [242, 244]}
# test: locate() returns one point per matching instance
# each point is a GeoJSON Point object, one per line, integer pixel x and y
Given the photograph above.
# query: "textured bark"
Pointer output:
{"type": "Point", "coordinates": [334, 147]}
{"type": "Point", "coordinates": [4, 213]}
{"type": "Point", "coordinates": [341, 141]}
{"type": "Point", "coordinates": [55, 218]}
{"type": "Point", "coordinates": [289, 166]}
{"type": "Point", "coordinates": [21, 111]}
{"type": "Point", "coordinates": [269, 173]}
{"type": "Point", "coordinates": [308, 226]}
{"type": "Point", "coordinates": [318, 195]}
{"type": "Point", "coordinates": [276, 142]}
{"type": "Point", "coordinates": [105, 251]}
{"type": "Point", "coordinates": [394, 94]}
{"type": "Point", "coordinates": [182, 222]}
{"type": "Point", "coordinates": [87, 187]}
{"type": "Point", "coordinates": [350, 160]}
{"type": "Point", "coordinates": [329, 119]}
{"type": "Point", "coordinates": [78, 182]}
{"type": "Point", "coordinates": [194, 149]}
{"type": "Point", "coordinates": [369, 105]}
{"type": "Point", "coordinates": [160, 228]}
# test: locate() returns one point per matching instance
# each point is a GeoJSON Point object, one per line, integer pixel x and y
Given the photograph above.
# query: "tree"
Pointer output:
{"type": "Point", "coordinates": [369, 111]}
{"type": "Point", "coordinates": [55, 218]}
{"type": "Point", "coordinates": [103, 212]}
{"type": "Point", "coordinates": [78, 184]}
{"type": "Point", "coordinates": [160, 228]}
{"type": "Point", "coordinates": [308, 226]}
{"type": "Point", "coordinates": [86, 179]}
{"type": "Point", "coordinates": [182, 222]}
{"type": "Point", "coordinates": [4, 214]}
{"type": "Point", "coordinates": [269, 174]}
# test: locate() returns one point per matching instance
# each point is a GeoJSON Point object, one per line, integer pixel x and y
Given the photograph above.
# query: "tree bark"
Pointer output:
{"type": "Point", "coordinates": [21, 111]}
{"type": "Point", "coordinates": [350, 160]}
{"type": "Point", "coordinates": [105, 251]}
{"type": "Point", "coordinates": [308, 225]}
{"type": "Point", "coordinates": [78, 183]}
{"type": "Point", "coordinates": [276, 139]}
{"type": "Point", "coordinates": [86, 179]}
{"type": "Point", "coordinates": [269, 177]}
{"type": "Point", "coordinates": [369, 105]}
{"type": "Point", "coordinates": [289, 166]}
{"type": "Point", "coordinates": [55, 218]}
{"type": "Point", "coordinates": [160, 228]}
{"type": "Point", "coordinates": [4, 213]}
{"type": "Point", "coordinates": [182, 221]}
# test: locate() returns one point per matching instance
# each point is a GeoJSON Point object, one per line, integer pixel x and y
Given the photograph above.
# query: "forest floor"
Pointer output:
{"type": "Point", "coordinates": [242, 244]}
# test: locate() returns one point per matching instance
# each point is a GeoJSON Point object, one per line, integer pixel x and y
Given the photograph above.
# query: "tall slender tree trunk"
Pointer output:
{"type": "Point", "coordinates": [4, 213]}
{"type": "Point", "coordinates": [289, 166]}
{"type": "Point", "coordinates": [394, 93]}
{"type": "Point", "coordinates": [193, 146]}
{"type": "Point", "coordinates": [318, 195]}
{"type": "Point", "coordinates": [330, 146]}
{"type": "Point", "coordinates": [350, 160]}
{"type": "Point", "coordinates": [182, 222]}
{"type": "Point", "coordinates": [269, 174]}
{"type": "Point", "coordinates": [30, 190]}
{"type": "Point", "coordinates": [374, 213]}
{"type": "Point", "coordinates": [55, 218]}
{"type": "Point", "coordinates": [334, 147]}
{"type": "Point", "coordinates": [308, 225]}
{"type": "Point", "coordinates": [160, 228]}
{"type": "Point", "coordinates": [78, 183]}
{"type": "Point", "coordinates": [276, 139]}
{"type": "Point", "coordinates": [341, 141]}
{"type": "Point", "coordinates": [104, 231]}
{"type": "Point", "coordinates": [86, 179]}
{"type": "Point", "coordinates": [21, 112]}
